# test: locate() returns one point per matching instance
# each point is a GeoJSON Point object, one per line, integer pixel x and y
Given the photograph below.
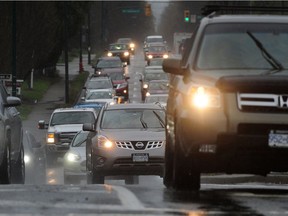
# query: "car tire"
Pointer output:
{"type": "Point", "coordinates": [18, 169]}
{"type": "Point", "coordinates": [130, 180]}
{"type": "Point", "coordinates": [97, 179]}
{"type": "Point", "coordinates": [185, 175]}
{"type": "Point", "coordinates": [5, 168]}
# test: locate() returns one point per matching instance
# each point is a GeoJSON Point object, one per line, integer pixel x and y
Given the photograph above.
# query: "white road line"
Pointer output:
{"type": "Point", "coordinates": [128, 199]}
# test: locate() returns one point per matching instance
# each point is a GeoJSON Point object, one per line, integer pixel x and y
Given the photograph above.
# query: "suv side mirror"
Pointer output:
{"type": "Point", "coordinates": [42, 125]}
{"type": "Point", "coordinates": [88, 127]}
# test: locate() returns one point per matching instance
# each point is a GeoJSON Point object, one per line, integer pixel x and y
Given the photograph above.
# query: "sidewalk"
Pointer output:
{"type": "Point", "coordinates": [54, 95]}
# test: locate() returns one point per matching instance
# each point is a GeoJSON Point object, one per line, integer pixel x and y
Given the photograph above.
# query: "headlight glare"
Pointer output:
{"type": "Point", "coordinates": [50, 138]}
{"type": "Point", "coordinates": [73, 157]}
{"type": "Point", "coordinates": [204, 97]}
{"type": "Point", "coordinates": [165, 56]}
{"type": "Point", "coordinates": [109, 54]}
{"type": "Point", "coordinates": [126, 53]}
{"type": "Point", "coordinates": [104, 142]}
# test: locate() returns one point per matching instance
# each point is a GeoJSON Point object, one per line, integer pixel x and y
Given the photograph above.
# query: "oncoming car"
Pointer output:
{"type": "Point", "coordinates": [128, 140]}
{"type": "Point", "coordinates": [74, 162]}
{"type": "Point", "coordinates": [121, 50]}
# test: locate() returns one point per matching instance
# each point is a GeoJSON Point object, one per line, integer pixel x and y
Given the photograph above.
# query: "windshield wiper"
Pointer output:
{"type": "Point", "coordinates": [144, 124]}
{"type": "Point", "coordinates": [270, 59]}
{"type": "Point", "coordinates": [159, 118]}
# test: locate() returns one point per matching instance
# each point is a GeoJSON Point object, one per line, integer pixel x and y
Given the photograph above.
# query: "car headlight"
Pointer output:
{"type": "Point", "coordinates": [132, 45]}
{"type": "Point", "coordinates": [204, 97]}
{"type": "Point", "coordinates": [147, 94]}
{"type": "Point", "coordinates": [104, 142]}
{"type": "Point", "coordinates": [150, 56]}
{"type": "Point", "coordinates": [27, 159]}
{"type": "Point", "coordinates": [145, 86]}
{"type": "Point", "coordinates": [126, 54]}
{"type": "Point", "coordinates": [50, 138]}
{"type": "Point", "coordinates": [71, 157]}
{"type": "Point", "coordinates": [165, 56]}
{"type": "Point", "coordinates": [109, 54]}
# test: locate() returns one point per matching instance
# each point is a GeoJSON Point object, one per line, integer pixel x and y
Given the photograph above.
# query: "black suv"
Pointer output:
{"type": "Point", "coordinates": [12, 166]}
{"type": "Point", "coordinates": [228, 102]}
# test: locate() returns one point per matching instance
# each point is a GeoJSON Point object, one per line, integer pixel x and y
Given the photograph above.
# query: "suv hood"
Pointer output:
{"type": "Point", "coordinates": [134, 134]}
{"type": "Point", "coordinates": [66, 128]}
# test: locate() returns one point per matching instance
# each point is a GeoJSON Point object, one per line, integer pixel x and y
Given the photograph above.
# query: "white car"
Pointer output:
{"type": "Point", "coordinates": [75, 159]}
{"type": "Point", "coordinates": [100, 95]}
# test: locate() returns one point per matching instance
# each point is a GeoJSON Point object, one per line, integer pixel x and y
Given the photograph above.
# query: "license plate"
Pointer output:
{"type": "Point", "coordinates": [278, 139]}
{"type": "Point", "coordinates": [140, 157]}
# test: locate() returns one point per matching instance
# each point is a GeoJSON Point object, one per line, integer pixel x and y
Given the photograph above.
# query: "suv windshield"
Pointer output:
{"type": "Point", "coordinates": [229, 46]}
{"type": "Point", "coordinates": [128, 119]}
{"type": "Point", "coordinates": [61, 118]}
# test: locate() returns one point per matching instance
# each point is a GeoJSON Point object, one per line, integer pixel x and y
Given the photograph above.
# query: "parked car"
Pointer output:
{"type": "Point", "coordinates": [12, 166]}
{"type": "Point", "coordinates": [63, 125]}
{"type": "Point", "coordinates": [74, 163]}
{"type": "Point", "coordinates": [227, 105]}
{"type": "Point", "coordinates": [121, 50]}
{"type": "Point", "coordinates": [35, 160]}
{"type": "Point", "coordinates": [127, 140]}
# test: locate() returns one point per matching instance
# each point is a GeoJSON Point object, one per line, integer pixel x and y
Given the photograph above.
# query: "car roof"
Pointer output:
{"type": "Point", "coordinates": [73, 109]}
{"type": "Point", "coordinates": [100, 90]}
{"type": "Point", "coordinates": [258, 18]}
{"type": "Point", "coordinates": [133, 106]}
{"type": "Point", "coordinates": [115, 58]}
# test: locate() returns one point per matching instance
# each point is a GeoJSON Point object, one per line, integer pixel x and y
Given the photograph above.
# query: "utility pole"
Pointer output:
{"type": "Point", "coordinates": [88, 38]}
{"type": "Point", "coordinates": [66, 54]}
{"type": "Point", "coordinates": [14, 48]}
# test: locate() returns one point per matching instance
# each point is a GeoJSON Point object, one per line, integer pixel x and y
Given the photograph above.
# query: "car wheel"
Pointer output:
{"type": "Point", "coordinates": [168, 163]}
{"type": "Point", "coordinates": [18, 169]}
{"type": "Point", "coordinates": [5, 167]}
{"type": "Point", "coordinates": [185, 175]}
{"type": "Point", "coordinates": [129, 180]}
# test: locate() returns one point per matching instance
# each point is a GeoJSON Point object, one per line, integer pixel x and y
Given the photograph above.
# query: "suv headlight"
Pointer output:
{"type": "Point", "coordinates": [165, 56]}
{"type": "Point", "coordinates": [73, 157]}
{"type": "Point", "coordinates": [204, 97]}
{"type": "Point", "coordinates": [104, 142]}
{"type": "Point", "coordinates": [126, 53]}
{"type": "Point", "coordinates": [50, 138]}
{"type": "Point", "coordinates": [109, 54]}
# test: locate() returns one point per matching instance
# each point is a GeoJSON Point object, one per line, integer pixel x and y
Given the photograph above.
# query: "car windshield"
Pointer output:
{"type": "Point", "coordinates": [156, 98]}
{"type": "Point", "coordinates": [74, 117]}
{"type": "Point", "coordinates": [155, 76]}
{"type": "Point", "coordinates": [118, 47]}
{"type": "Point", "coordinates": [133, 119]}
{"type": "Point", "coordinates": [157, 49]}
{"type": "Point", "coordinates": [109, 64]}
{"type": "Point", "coordinates": [154, 40]}
{"type": "Point", "coordinates": [116, 76]}
{"type": "Point", "coordinates": [158, 86]}
{"type": "Point", "coordinates": [229, 46]}
{"type": "Point", "coordinates": [99, 95]}
{"type": "Point", "coordinates": [80, 140]}
{"type": "Point", "coordinates": [99, 84]}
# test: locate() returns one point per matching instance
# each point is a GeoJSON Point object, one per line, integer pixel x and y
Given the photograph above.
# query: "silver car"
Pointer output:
{"type": "Point", "coordinates": [127, 140]}
{"type": "Point", "coordinates": [75, 159]}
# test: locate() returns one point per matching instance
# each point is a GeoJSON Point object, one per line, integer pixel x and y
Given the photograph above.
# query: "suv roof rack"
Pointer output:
{"type": "Point", "coordinates": [225, 9]}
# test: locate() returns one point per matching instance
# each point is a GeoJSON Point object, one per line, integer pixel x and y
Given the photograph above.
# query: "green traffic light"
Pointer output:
{"type": "Point", "coordinates": [186, 19]}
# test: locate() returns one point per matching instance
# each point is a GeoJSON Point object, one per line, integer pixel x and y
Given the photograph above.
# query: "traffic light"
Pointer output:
{"type": "Point", "coordinates": [186, 15]}
{"type": "Point", "coordinates": [148, 10]}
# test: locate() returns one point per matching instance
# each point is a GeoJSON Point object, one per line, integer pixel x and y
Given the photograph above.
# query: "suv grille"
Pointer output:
{"type": "Point", "coordinates": [66, 137]}
{"type": "Point", "coordinates": [139, 145]}
{"type": "Point", "coordinates": [265, 103]}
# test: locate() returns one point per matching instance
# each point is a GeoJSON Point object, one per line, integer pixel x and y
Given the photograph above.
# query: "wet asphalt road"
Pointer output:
{"type": "Point", "coordinates": [219, 194]}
